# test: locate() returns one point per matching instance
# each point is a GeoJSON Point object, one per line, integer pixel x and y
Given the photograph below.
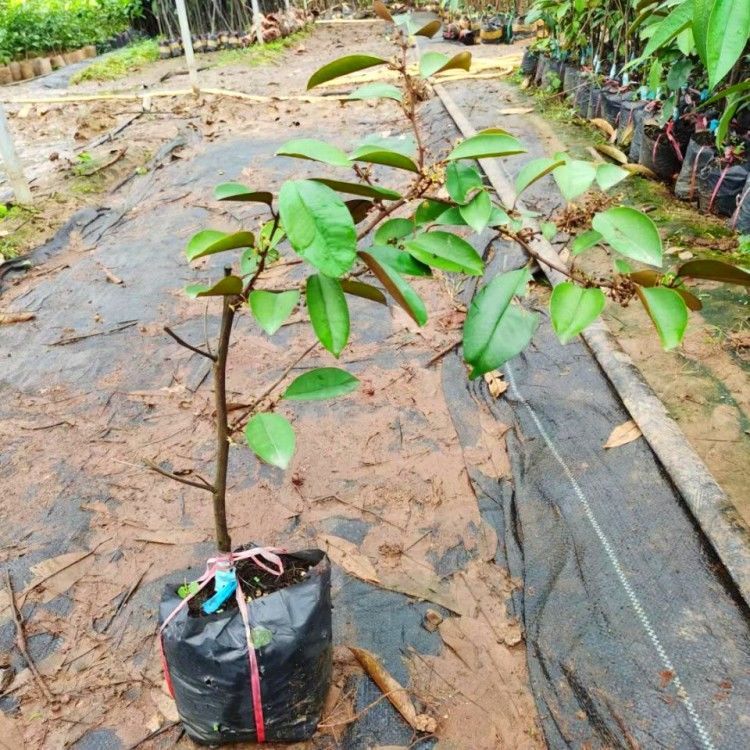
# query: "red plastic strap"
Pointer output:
{"type": "Point", "coordinates": [694, 173]}
{"type": "Point", "coordinates": [165, 666]}
{"type": "Point", "coordinates": [656, 143]}
{"type": "Point", "coordinates": [673, 141]}
{"type": "Point", "coordinates": [718, 185]}
{"type": "Point", "coordinates": [260, 724]}
{"type": "Point", "coordinates": [736, 214]}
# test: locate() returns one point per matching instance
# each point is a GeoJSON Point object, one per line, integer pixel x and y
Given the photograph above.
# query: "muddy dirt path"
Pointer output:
{"type": "Point", "coordinates": [92, 387]}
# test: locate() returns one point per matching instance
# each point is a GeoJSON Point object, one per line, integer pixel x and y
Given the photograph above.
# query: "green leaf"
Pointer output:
{"type": "Point", "coordinates": [678, 19]}
{"type": "Point", "coordinates": [343, 66]}
{"type": "Point", "coordinates": [226, 287]}
{"type": "Point", "coordinates": [497, 330]}
{"type": "Point", "coordinates": [372, 154]}
{"type": "Point", "coordinates": [193, 290]}
{"type": "Point", "coordinates": [402, 144]}
{"type": "Point", "coordinates": [432, 63]}
{"type": "Point", "coordinates": [355, 188]}
{"type": "Point", "coordinates": [701, 14]}
{"type": "Point", "coordinates": [271, 234]}
{"type": "Point", "coordinates": [585, 241]}
{"type": "Point", "coordinates": [498, 217]}
{"type": "Point", "coordinates": [319, 226]}
{"type": "Point", "coordinates": [486, 144]}
{"type": "Point", "coordinates": [429, 29]}
{"type": "Point", "coordinates": [271, 309]}
{"type": "Point", "coordinates": [321, 383]}
{"type": "Point", "coordinates": [209, 241]}
{"type": "Point", "coordinates": [549, 230]}
{"type": "Point", "coordinates": [329, 313]}
{"type": "Point", "coordinates": [726, 37]}
{"type": "Point", "coordinates": [622, 266]}
{"type": "Point", "coordinates": [271, 438]}
{"type": "Point", "coordinates": [309, 148]}
{"type": "Point", "coordinates": [377, 91]}
{"type": "Point", "coordinates": [365, 291]}
{"type": "Point", "coordinates": [714, 270]}
{"type": "Point", "coordinates": [248, 261]}
{"type": "Point", "coordinates": [428, 210]}
{"type": "Point", "coordinates": [462, 181]}
{"type": "Point", "coordinates": [451, 217]}
{"type": "Point", "coordinates": [725, 121]}
{"type": "Point", "coordinates": [393, 229]}
{"type": "Point", "coordinates": [234, 191]}
{"type": "Point", "coordinates": [574, 178]}
{"type": "Point", "coordinates": [679, 74]}
{"type": "Point", "coordinates": [399, 289]}
{"type": "Point", "coordinates": [477, 211]}
{"type": "Point", "coordinates": [631, 233]}
{"type": "Point", "coordinates": [398, 260]}
{"type": "Point", "coordinates": [655, 73]}
{"type": "Point", "coordinates": [446, 251]}
{"type": "Point", "coordinates": [668, 312]}
{"type": "Point", "coordinates": [609, 175]}
{"type": "Point", "coordinates": [572, 308]}
{"type": "Point", "coordinates": [535, 170]}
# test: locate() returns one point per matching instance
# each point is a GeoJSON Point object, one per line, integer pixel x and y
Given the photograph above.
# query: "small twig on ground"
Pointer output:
{"type": "Point", "coordinates": [75, 339]}
{"type": "Point", "coordinates": [359, 714]}
{"type": "Point", "coordinates": [125, 599]}
{"type": "Point", "coordinates": [202, 484]}
{"type": "Point", "coordinates": [443, 353]}
{"type": "Point", "coordinates": [155, 733]}
{"type": "Point", "coordinates": [184, 343]}
{"type": "Point", "coordinates": [106, 164]}
{"type": "Point", "coordinates": [6, 318]}
{"type": "Point", "coordinates": [21, 642]}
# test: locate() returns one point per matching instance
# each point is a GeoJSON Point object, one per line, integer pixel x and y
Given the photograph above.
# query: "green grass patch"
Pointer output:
{"type": "Point", "coordinates": [259, 54]}
{"type": "Point", "coordinates": [120, 63]}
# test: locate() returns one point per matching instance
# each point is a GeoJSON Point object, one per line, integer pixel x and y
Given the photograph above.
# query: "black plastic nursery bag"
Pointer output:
{"type": "Point", "coordinates": [206, 660]}
{"type": "Point", "coordinates": [696, 157]}
{"type": "Point", "coordinates": [720, 186]}
{"type": "Point", "coordinates": [529, 62]}
{"type": "Point", "coordinates": [741, 215]}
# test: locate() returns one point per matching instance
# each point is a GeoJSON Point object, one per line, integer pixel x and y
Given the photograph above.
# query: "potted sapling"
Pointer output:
{"type": "Point", "coordinates": [247, 646]}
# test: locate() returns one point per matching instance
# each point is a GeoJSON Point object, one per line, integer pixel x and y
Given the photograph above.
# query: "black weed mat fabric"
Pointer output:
{"type": "Point", "coordinates": [634, 638]}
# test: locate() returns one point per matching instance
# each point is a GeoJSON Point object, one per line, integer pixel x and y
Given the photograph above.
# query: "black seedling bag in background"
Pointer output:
{"type": "Point", "coordinates": [583, 95]}
{"type": "Point", "coordinates": [696, 157]}
{"type": "Point", "coordinates": [595, 102]}
{"type": "Point", "coordinates": [529, 62]}
{"type": "Point", "coordinates": [731, 182]}
{"type": "Point", "coordinates": [610, 106]}
{"type": "Point", "coordinates": [640, 117]}
{"type": "Point", "coordinates": [741, 216]}
{"type": "Point", "coordinates": [208, 665]}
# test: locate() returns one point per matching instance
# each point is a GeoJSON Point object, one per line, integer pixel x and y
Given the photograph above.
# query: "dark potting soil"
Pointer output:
{"type": "Point", "coordinates": [255, 582]}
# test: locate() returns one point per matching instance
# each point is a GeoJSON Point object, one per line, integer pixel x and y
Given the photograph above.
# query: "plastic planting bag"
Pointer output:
{"type": "Point", "coordinates": [529, 62]}
{"type": "Point", "coordinates": [542, 66]}
{"type": "Point", "coordinates": [699, 152]}
{"type": "Point", "coordinates": [741, 216]}
{"type": "Point", "coordinates": [610, 106]}
{"type": "Point", "coordinates": [663, 149]}
{"type": "Point", "coordinates": [227, 692]}
{"type": "Point", "coordinates": [571, 78]}
{"type": "Point", "coordinates": [720, 186]}
{"type": "Point", "coordinates": [626, 122]}
{"type": "Point", "coordinates": [595, 102]}
{"type": "Point", "coordinates": [640, 118]}
{"type": "Point", "coordinates": [583, 95]}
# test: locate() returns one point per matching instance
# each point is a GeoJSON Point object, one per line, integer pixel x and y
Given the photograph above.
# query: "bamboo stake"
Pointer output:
{"type": "Point", "coordinates": [16, 177]}
{"type": "Point", "coordinates": [187, 45]}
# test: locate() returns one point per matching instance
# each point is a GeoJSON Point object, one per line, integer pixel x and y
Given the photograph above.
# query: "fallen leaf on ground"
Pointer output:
{"type": "Point", "coordinates": [421, 584]}
{"type": "Point", "coordinates": [6, 318]}
{"type": "Point", "coordinates": [347, 556]}
{"type": "Point", "coordinates": [641, 170]}
{"type": "Point", "coordinates": [11, 736]}
{"type": "Point", "coordinates": [59, 573]}
{"type": "Point", "coordinates": [516, 111]}
{"type": "Point", "coordinates": [624, 433]}
{"type": "Point", "coordinates": [602, 125]}
{"type": "Point", "coordinates": [495, 383]}
{"type": "Point", "coordinates": [612, 152]}
{"type": "Point", "coordinates": [392, 689]}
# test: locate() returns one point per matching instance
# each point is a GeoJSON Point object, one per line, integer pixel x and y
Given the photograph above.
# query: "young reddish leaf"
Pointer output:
{"type": "Point", "coordinates": [343, 66]}
{"type": "Point", "coordinates": [714, 270]}
{"type": "Point", "coordinates": [329, 313]}
{"type": "Point", "coordinates": [359, 208]}
{"type": "Point", "coordinates": [399, 289]}
{"type": "Point", "coordinates": [321, 383]}
{"type": "Point", "coordinates": [271, 438]}
{"type": "Point", "coordinates": [429, 29]}
{"type": "Point", "coordinates": [432, 63]}
{"type": "Point", "coordinates": [382, 12]}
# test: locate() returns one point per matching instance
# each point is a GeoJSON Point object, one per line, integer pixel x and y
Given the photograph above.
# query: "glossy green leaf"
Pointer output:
{"type": "Point", "coordinates": [655, 74]}
{"type": "Point", "coordinates": [365, 291]}
{"type": "Point", "coordinates": [678, 19]}
{"type": "Point", "coordinates": [496, 329]}
{"type": "Point", "coordinates": [234, 191]}
{"type": "Point", "coordinates": [355, 188]}
{"type": "Point", "coordinates": [398, 260]}
{"type": "Point", "coordinates": [549, 230]}
{"type": "Point", "coordinates": [462, 181]}
{"type": "Point", "coordinates": [679, 74]}
{"type": "Point", "coordinates": [271, 438]}
{"type": "Point", "coordinates": [429, 29]}
{"type": "Point", "coordinates": [486, 144]}
{"type": "Point", "coordinates": [209, 242]}
{"type": "Point", "coordinates": [667, 311]}
{"type": "Point", "coordinates": [377, 91]}
{"type": "Point", "coordinates": [609, 175]}
{"type": "Point", "coordinates": [343, 66]}
{"type": "Point", "coordinates": [631, 233]}
{"type": "Point", "coordinates": [403, 144]}
{"type": "Point", "coordinates": [392, 230]}
{"type": "Point", "coordinates": [271, 233]}
{"type": "Point", "coordinates": [271, 309]}
{"type": "Point", "coordinates": [585, 241]}
{"type": "Point", "coordinates": [319, 226]}
{"type": "Point", "coordinates": [451, 218]}
{"type": "Point", "coordinates": [498, 217]}
{"type": "Point", "coordinates": [321, 383]}
{"type": "Point", "coordinates": [535, 170]}
{"type": "Point", "coordinates": [398, 288]}
{"type": "Point", "coordinates": [314, 150]}
{"type": "Point", "coordinates": [225, 287]}
{"type": "Point", "coordinates": [574, 178]}
{"type": "Point", "coordinates": [701, 14]}
{"type": "Point", "coordinates": [193, 290]}
{"type": "Point", "coordinates": [622, 266]}
{"type": "Point", "coordinates": [726, 37]}
{"type": "Point", "coordinates": [329, 313]}
{"type": "Point", "coordinates": [446, 251]}
{"type": "Point", "coordinates": [248, 261]}
{"type": "Point", "coordinates": [572, 308]}
{"type": "Point", "coordinates": [714, 270]}
{"type": "Point", "coordinates": [431, 63]}
{"type": "Point", "coordinates": [428, 210]}
{"type": "Point", "coordinates": [477, 212]}
{"type": "Point", "coordinates": [386, 157]}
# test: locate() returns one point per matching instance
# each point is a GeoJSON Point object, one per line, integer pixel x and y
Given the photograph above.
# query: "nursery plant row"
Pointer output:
{"type": "Point", "coordinates": [672, 80]}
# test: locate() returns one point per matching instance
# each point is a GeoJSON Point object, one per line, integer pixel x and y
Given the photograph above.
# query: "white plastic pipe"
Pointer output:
{"type": "Point", "coordinates": [256, 21]}
{"type": "Point", "coordinates": [187, 45]}
{"type": "Point", "coordinates": [16, 177]}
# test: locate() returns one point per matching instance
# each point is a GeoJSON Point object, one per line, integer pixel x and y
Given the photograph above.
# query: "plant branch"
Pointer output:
{"type": "Point", "coordinates": [202, 484]}
{"type": "Point", "coordinates": [184, 343]}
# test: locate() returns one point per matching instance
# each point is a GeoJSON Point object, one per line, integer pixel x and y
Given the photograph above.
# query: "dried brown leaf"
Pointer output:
{"type": "Point", "coordinates": [624, 433]}
{"type": "Point", "coordinates": [612, 152]}
{"type": "Point", "coordinates": [516, 111]}
{"type": "Point", "coordinates": [640, 170]}
{"type": "Point", "coordinates": [497, 386]}
{"type": "Point", "coordinates": [347, 556]}
{"type": "Point", "coordinates": [6, 318]}
{"type": "Point", "coordinates": [602, 125]}
{"type": "Point", "coordinates": [393, 690]}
